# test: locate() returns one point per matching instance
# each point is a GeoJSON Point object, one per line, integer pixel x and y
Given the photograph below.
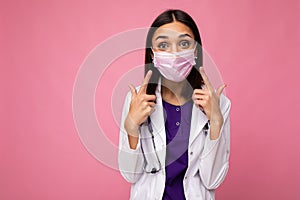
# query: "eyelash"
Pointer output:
{"type": "Point", "coordinates": [185, 41]}
{"type": "Point", "coordinates": [160, 45]}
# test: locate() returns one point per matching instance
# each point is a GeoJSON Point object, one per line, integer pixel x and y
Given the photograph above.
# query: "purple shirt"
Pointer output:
{"type": "Point", "coordinates": [177, 124]}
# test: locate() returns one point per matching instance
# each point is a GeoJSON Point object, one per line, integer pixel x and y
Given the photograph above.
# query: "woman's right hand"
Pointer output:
{"type": "Point", "coordinates": [141, 106]}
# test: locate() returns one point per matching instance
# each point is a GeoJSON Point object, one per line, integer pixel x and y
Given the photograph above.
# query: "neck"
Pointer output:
{"type": "Point", "coordinates": [172, 92]}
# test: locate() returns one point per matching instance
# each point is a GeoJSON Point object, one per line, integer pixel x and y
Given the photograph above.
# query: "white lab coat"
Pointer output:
{"type": "Point", "coordinates": [208, 160]}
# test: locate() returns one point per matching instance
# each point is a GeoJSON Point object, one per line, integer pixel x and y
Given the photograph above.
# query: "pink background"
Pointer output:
{"type": "Point", "coordinates": [255, 44]}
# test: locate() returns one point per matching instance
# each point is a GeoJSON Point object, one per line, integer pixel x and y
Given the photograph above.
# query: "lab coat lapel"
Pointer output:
{"type": "Point", "coordinates": [157, 117]}
{"type": "Point", "coordinates": [198, 121]}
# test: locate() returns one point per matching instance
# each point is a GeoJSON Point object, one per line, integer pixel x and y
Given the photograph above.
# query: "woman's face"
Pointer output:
{"type": "Point", "coordinates": [173, 37]}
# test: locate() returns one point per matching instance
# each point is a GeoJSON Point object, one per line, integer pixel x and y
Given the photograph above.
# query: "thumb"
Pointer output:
{"type": "Point", "coordinates": [132, 89]}
{"type": "Point", "coordinates": [220, 89]}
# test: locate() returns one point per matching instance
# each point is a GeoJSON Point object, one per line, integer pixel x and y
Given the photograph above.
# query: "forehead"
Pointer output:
{"type": "Point", "coordinates": [173, 30]}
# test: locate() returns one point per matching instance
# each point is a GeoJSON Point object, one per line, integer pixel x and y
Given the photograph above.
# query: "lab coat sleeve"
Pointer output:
{"type": "Point", "coordinates": [131, 161]}
{"type": "Point", "coordinates": [214, 161]}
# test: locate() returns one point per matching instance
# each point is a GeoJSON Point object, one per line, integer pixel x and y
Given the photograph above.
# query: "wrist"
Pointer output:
{"type": "Point", "coordinates": [215, 129]}
{"type": "Point", "coordinates": [217, 120]}
{"type": "Point", "coordinates": [216, 123]}
{"type": "Point", "coordinates": [131, 127]}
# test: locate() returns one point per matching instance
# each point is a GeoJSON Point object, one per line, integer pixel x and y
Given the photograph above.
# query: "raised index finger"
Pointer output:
{"type": "Point", "coordinates": [146, 81]}
{"type": "Point", "coordinates": [205, 78]}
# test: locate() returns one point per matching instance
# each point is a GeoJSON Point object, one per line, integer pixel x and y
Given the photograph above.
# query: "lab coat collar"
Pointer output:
{"type": "Point", "coordinates": [198, 119]}
{"type": "Point", "coordinates": [157, 117]}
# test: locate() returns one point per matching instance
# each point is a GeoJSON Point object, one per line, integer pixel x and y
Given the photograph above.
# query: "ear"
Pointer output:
{"type": "Point", "coordinates": [196, 51]}
{"type": "Point", "coordinates": [152, 56]}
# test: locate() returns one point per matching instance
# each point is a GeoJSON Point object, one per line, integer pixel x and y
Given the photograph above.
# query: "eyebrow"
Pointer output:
{"type": "Point", "coordinates": [165, 37]}
{"type": "Point", "coordinates": [161, 36]}
{"type": "Point", "coordinates": [184, 35]}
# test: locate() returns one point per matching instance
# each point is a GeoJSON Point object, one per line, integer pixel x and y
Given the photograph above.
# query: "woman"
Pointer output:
{"type": "Point", "coordinates": [175, 135]}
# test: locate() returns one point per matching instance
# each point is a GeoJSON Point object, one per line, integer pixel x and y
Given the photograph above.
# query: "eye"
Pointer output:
{"type": "Point", "coordinates": [184, 43]}
{"type": "Point", "coordinates": [163, 45]}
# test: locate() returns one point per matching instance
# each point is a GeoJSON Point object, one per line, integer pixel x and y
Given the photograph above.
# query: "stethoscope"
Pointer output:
{"type": "Point", "coordinates": [154, 170]}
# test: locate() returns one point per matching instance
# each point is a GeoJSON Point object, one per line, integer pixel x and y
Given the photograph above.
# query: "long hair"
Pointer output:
{"type": "Point", "coordinates": [194, 78]}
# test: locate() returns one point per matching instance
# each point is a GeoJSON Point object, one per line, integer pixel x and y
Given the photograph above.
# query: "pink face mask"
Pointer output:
{"type": "Point", "coordinates": [174, 66]}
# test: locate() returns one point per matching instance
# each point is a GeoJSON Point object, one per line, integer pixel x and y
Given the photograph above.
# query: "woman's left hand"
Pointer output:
{"type": "Point", "coordinates": [209, 100]}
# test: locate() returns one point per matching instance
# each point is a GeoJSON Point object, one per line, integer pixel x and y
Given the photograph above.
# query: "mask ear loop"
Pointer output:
{"type": "Point", "coordinates": [195, 49]}
{"type": "Point", "coordinates": [152, 54]}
